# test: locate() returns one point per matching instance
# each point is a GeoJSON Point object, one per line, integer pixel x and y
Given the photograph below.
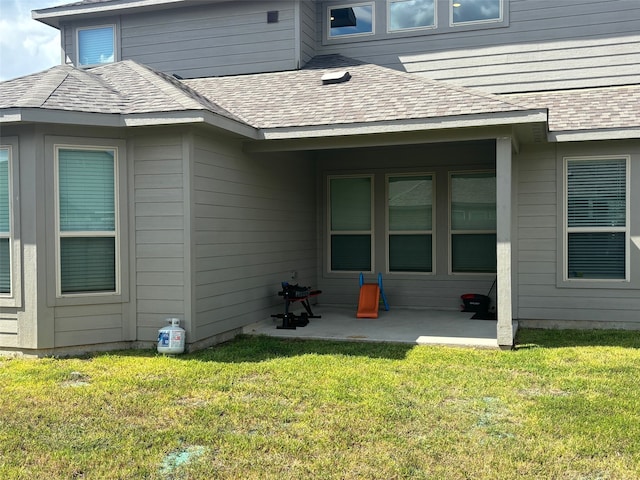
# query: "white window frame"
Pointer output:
{"type": "Point", "coordinates": [431, 232]}
{"type": "Point", "coordinates": [113, 27]}
{"type": "Point", "coordinates": [14, 297]}
{"type": "Point", "coordinates": [87, 234]}
{"type": "Point", "coordinates": [566, 229]}
{"type": "Point", "coordinates": [460, 232]}
{"type": "Point", "coordinates": [500, 19]}
{"type": "Point", "coordinates": [370, 232]}
{"type": "Point", "coordinates": [412, 29]}
{"type": "Point", "coordinates": [351, 35]}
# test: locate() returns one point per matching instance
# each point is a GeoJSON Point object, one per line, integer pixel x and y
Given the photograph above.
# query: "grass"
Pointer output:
{"type": "Point", "coordinates": [564, 405]}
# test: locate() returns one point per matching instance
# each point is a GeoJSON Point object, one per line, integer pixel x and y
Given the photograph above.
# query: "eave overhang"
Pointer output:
{"type": "Point", "coordinates": [54, 15]}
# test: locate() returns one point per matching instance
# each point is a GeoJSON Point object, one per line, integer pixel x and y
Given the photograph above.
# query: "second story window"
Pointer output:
{"type": "Point", "coordinates": [475, 11]}
{"type": "Point", "coordinates": [357, 19]}
{"type": "Point", "coordinates": [96, 45]}
{"type": "Point", "coordinates": [411, 14]}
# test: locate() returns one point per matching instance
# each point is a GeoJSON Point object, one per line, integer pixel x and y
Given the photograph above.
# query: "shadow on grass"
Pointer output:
{"type": "Point", "coordinates": [256, 348]}
{"type": "Point", "coordinates": [539, 338]}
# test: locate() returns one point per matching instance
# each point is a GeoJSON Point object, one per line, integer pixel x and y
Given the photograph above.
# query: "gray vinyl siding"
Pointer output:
{"type": "Point", "coordinates": [254, 224]}
{"type": "Point", "coordinates": [308, 30]}
{"type": "Point", "coordinates": [8, 330]}
{"type": "Point", "coordinates": [212, 40]}
{"type": "Point", "coordinates": [543, 300]}
{"type": "Point", "coordinates": [440, 290]}
{"type": "Point", "coordinates": [546, 45]}
{"type": "Point", "coordinates": [159, 232]}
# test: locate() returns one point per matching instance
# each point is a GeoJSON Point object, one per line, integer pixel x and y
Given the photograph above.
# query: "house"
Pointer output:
{"type": "Point", "coordinates": [188, 156]}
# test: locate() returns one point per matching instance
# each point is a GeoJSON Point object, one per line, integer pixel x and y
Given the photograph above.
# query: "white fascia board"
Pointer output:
{"type": "Point", "coordinates": [39, 115]}
{"type": "Point", "coordinates": [588, 135]}
{"type": "Point", "coordinates": [395, 126]}
{"type": "Point", "coordinates": [193, 116]}
{"type": "Point", "coordinates": [52, 16]}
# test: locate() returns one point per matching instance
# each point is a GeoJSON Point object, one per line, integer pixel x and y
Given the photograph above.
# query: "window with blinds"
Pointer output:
{"type": "Point", "coordinates": [473, 222]}
{"type": "Point", "coordinates": [5, 222]}
{"type": "Point", "coordinates": [87, 230]}
{"type": "Point", "coordinates": [410, 223]}
{"type": "Point", "coordinates": [96, 46]}
{"type": "Point", "coordinates": [350, 223]}
{"type": "Point", "coordinates": [596, 218]}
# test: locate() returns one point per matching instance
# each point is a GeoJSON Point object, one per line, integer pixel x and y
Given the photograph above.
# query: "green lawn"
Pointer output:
{"type": "Point", "coordinates": [564, 405]}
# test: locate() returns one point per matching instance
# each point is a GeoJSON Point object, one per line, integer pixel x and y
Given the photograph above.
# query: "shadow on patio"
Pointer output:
{"type": "Point", "coordinates": [399, 325]}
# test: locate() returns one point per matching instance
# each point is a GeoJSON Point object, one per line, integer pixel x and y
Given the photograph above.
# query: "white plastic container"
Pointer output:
{"type": "Point", "coordinates": [171, 337]}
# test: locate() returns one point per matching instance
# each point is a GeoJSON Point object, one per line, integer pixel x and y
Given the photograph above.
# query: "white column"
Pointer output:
{"type": "Point", "coordinates": [503, 237]}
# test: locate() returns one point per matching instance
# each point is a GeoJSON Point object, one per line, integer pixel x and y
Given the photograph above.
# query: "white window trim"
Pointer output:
{"type": "Point", "coordinates": [352, 35]}
{"type": "Point", "coordinates": [98, 234]}
{"type": "Point", "coordinates": [14, 297]}
{"type": "Point", "coordinates": [468, 232]}
{"type": "Point", "coordinates": [566, 229]}
{"type": "Point", "coordinates": [413, 29]}
{"type": "Point", "coordinates": [94, 27]}
{"type": "Point", "coordinates": [431, 232]}
{"type": "Point", "coordinates": [370, 232]}
{"type": "Point", "coordinates": [500, 19]}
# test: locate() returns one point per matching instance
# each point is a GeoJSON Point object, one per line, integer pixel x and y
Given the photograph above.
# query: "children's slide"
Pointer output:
{"type": "Point", "coordinates": [369, 300]}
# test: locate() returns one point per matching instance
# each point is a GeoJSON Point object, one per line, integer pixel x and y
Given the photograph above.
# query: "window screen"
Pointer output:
{"type": "Point", "coordinates": [350, 223]}
{"type": "Point", "coordinates": [87, 206]}
{"type": "Point", "coordinates": [5, 224]}
{"type": "Point", "coordinates": [410, 217]}
{"type": "Point", "coordinates": [410, 14]}
{"type": "Point", "coordinates": [596, 218]}
{"type": "Point", "coordinates": [96, 46]}
{"type": "Point", "coordinates": [473, 222]}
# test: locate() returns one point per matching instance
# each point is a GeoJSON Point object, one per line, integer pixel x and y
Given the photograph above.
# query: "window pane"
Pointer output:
{"type": "Point", "coordinates": [410, 203]}
{"type": "Point", "coordinates": [597, 255]}
{"type": "Point", "coordinates": [473, 201]}
{"type": "Point", "coordinates": [408, 14]}
{"type": "Point", "coordinates": [87, 264]}
{"type": "Point", "coordinates": [473, 253]}
{"type": "Point", "coordinates": [596, 193]}
{"type": "Point", "coordinates": [95, 46]}
{"type": "Point", "coordinates": [351, 20]}
{"type": "Point", "coordinates": [5, 266]}
{"type": "Point", "coordinates": [86, 189]}
{"type": "Point", "coordinates": [350, 204]}
{"type": "Point", "coordinates": [4, 190]}
{"type": "Point", "coordinates": [475, 10]}
{"type": "Point", "coordinates": [351, 253]}
{"type": "Point", "coordinates": [410, 253]}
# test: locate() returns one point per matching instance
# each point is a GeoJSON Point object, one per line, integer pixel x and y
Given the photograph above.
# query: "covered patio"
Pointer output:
{"type": "Point", "coordinates": [398, 325]}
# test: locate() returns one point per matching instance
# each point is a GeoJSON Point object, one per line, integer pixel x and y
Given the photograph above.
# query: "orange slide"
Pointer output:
{"type": "Point", "coordinates": [369, 301]}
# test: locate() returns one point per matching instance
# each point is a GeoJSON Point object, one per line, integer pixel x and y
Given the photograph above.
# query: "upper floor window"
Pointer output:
{"type": "Point", "coordinates": [596, 211]}
{"type": "Point", "coordinates": [87, 233]}
{"type": "Point", "coordinates": [5, 222]}
{"type": "Point", "coordinates": [475, 11]}
{"type": "Point", "coordinates": [96, 45]}
{"type": "Point", "coordinates": [348, 20]}
{"type": "Point", "coordinates": [411, 14]}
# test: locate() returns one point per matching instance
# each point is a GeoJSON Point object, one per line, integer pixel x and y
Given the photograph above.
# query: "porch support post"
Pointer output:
{"type": "Point", "coordinates": [503, 238]}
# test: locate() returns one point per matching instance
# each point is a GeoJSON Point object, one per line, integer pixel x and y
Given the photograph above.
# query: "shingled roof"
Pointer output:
{"type": "Point", "coordinates": [372, 94]}
{"type": "Point", "coordinates": [588, 109]}
{"type": "Point", "coordinates": [120, 88]}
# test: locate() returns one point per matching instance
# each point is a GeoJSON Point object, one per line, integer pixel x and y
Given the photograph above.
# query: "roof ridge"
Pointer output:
{"type": "Point", "coordinates": [40, 92]}
{"type": "Point", "coordinates": [167, 86]}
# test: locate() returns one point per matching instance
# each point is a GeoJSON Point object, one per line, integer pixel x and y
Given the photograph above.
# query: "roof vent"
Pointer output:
{"type": "Point", "coordinates": [335, 77]}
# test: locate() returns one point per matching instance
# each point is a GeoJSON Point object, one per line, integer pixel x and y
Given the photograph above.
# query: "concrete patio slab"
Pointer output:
{"type": "Point", "coordinates": [400, 325]}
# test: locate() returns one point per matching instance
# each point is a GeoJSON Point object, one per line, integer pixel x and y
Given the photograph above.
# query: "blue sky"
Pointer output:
{"type": "Point", "coordinates": [26, 46]}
